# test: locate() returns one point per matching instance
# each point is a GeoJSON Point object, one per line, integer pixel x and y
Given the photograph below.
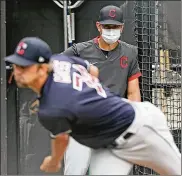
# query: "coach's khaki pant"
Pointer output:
{"type": "Point", "coordinates": [152, 146]}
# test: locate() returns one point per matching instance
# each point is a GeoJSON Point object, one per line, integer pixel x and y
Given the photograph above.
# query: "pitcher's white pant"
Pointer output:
{"type": "Point", "coordinates": [152, 146]}
{"type": "Point", "coordinates": [76, 158]}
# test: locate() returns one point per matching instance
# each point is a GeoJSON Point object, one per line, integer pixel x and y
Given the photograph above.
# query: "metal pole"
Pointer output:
{"type": "Point", "coordinates": [3, 91]}
{"type": "Point", "coordinates": [65, 24]}
{"type": "Point", "coordinates": [73, 26]}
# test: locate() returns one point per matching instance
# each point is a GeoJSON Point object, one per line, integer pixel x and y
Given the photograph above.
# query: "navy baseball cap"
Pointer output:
{"type": "Point", "coordinates": [29, 51]}
{"type": "Point", "coordinates": [111, 15]}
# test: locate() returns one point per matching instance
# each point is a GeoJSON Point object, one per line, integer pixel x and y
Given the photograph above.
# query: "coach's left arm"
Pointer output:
{"type": "Point", "coordinates": [133, 90]}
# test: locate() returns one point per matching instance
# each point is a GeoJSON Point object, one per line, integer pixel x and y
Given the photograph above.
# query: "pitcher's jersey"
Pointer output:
{"type": "Point", "coordinates": [75, 102]}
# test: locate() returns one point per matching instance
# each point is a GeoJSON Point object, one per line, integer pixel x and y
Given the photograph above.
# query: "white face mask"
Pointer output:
{"type": "Point", "coordinates": [111, 36]}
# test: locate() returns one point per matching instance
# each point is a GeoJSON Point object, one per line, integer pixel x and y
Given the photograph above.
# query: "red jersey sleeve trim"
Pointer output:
{"type": "Point", "coordinates": [134, 76]}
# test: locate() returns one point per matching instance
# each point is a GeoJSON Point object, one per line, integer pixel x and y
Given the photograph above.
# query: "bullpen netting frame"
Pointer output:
{"type": "Point", "coordinates": [160, 63]}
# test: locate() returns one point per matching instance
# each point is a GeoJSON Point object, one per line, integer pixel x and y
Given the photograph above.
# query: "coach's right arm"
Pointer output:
{"type": "Point", "coordinates": [133, 89]}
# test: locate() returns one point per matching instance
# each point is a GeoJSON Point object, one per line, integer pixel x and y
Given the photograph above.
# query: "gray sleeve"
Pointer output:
{"type": "Point", "coordinates": [69, 52]}
{"type": "Point", "coordinates": [72, 51]}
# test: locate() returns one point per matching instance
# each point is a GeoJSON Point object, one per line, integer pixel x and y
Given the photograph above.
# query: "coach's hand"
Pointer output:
{"type": "Point", "coordinates": [50, 165]}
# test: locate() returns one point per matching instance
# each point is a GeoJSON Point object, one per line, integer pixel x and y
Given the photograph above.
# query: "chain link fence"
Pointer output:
{"type": "Point", "coordinates": [160, 62]}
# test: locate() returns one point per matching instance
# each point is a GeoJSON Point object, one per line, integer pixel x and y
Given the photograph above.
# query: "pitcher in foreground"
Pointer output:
{"type": "Point", "coordinates": [74, 103]}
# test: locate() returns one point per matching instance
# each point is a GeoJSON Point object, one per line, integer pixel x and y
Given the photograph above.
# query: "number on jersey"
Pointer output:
{"type": "Point", "coordinates": [62, 70]}
{"type": "Point", "coordinates": [85, 77]}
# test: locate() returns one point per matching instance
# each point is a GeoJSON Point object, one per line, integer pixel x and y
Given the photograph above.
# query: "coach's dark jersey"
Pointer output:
{"type": "Point", "coordinates": [116, 67]}
{"type": "Point", "coordinates": [75, 102]}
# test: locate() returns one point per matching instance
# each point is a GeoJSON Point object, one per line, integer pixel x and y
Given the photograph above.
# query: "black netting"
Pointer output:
{"type": "Point", "coordinates": [160, 62]}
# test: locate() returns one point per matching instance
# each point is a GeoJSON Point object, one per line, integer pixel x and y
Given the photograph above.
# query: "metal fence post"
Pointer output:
{"type": "Point", "coordinates": [65, 24]}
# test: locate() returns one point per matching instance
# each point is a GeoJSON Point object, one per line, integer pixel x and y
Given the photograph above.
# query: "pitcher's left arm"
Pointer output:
{"type": "Point", "coordinates": [60, 129]}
